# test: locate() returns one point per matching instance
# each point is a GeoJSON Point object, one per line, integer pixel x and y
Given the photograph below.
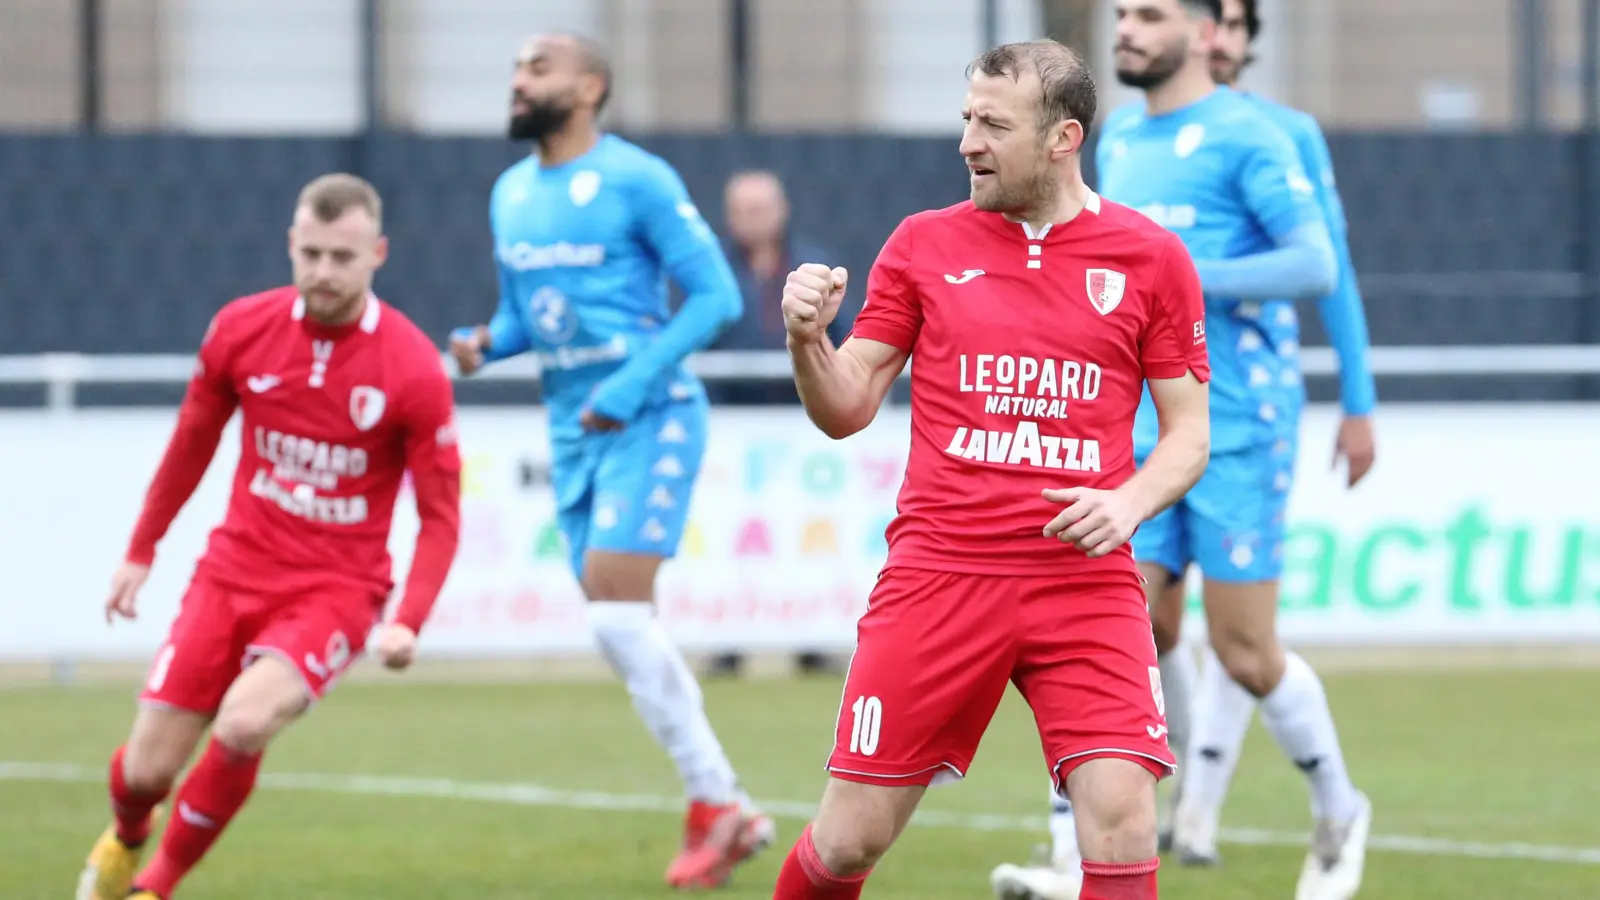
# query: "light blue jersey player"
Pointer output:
{"type": "Point", "coordinates": [587, 232]}
{"type": "Point", "coordinates": [1210, 164]}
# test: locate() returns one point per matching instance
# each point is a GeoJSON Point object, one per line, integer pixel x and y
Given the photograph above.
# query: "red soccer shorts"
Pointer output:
{"type": "Point", "coordinates": [935, 650]}
{"type": "Point", "coordinates": [220, 630]}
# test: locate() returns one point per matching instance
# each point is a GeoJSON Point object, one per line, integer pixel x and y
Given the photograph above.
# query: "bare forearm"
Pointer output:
{"type": "Point", "coordinates": [1172, 468]}
{"type": "Point", "coordinates": [834, 388]}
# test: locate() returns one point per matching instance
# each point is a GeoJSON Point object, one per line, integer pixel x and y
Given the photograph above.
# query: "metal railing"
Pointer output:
{"type": "Point", "coordinates": [62, 373]}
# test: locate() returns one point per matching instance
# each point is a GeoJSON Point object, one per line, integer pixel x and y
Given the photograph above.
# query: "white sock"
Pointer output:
{"type": "Point", "coordinates": [666, 695]}
{"type": "Point", "coordinates": [1063, 830]}
{"type": "Point", "coordinates": [1297, 714]}
{"type": "Point", "coordinates": [1222, 718]}
{"type": "Point", "coordinates": [1177, 688]}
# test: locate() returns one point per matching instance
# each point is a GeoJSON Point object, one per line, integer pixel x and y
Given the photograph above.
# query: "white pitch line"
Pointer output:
{"type": "Point", "coordinates": [523, 794]}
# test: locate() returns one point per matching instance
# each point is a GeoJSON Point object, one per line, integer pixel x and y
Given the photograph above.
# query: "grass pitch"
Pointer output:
{"type": "Point", "coordinates": [1481, 780]}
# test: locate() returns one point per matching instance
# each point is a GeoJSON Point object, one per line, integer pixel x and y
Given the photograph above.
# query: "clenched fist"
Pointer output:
{"type": "Point", "coordinates": [397, 646]}
{"type": "Point", "coordinates": [811, 298]}
{"type": "Point", "coordinates": [467, 346]}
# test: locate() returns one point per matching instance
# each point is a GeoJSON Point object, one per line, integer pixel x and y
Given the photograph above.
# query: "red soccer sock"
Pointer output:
{"type": "Point", "coordinates": [1119, 881]}
{"type": "Point", "coordinates": [131, 808]}
{"type": "Point", "coordinates": [214, 791]}
{"type": "Point", "coordinates": [804, 877]}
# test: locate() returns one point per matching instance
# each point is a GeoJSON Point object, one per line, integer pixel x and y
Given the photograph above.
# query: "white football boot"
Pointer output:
{"type": "Point", "coordinates": [1337, 858]}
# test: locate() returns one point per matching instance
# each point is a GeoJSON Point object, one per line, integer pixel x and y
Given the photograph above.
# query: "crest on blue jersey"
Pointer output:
{"type": "Point", "coordinates": [552, 315]}
{"type": "Point", "coordinates": [584, 187]}
{"type": "Point", "coordinates": [1190, 137]}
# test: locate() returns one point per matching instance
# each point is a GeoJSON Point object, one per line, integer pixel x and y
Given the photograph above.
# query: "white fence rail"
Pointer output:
{"type": "Point", "coordinates": [62, 373]}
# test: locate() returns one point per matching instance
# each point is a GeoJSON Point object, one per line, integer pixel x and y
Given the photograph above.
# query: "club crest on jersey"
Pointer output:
{"type": "Point", "coordinates": [1190, 137]}
{"type": "Point", "coordinates": [583, 187]}
{"type": "Point", "coordinates": [366, 406]}
{"type": "Point", "coordinates": [1105, 289]}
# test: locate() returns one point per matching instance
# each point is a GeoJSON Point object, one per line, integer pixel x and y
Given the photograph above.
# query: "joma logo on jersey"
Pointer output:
{"type": "Point", "coordinates": [526, 257]}
{"type": "Point", "coordinates": [1025, 446]}
{"type": "Point", "coordinates": [1170, 217]}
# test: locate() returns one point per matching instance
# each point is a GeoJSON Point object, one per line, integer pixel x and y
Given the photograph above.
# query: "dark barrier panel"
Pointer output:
{"type": "Point", "coordinates": [127, 244]}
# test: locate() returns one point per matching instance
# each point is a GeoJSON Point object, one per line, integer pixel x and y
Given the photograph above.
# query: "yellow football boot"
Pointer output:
{"type": "Point", "coordinates": [108, 873]}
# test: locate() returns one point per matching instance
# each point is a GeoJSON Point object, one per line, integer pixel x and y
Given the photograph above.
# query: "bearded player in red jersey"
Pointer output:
{"type": "Point", "coordinates": [340, 395]}
{"type": "Point", "coordinates": [1037, 313]}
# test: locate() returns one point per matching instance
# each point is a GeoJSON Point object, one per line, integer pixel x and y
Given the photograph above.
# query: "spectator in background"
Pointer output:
{"type": "Point", "coordinates": [762, 250]}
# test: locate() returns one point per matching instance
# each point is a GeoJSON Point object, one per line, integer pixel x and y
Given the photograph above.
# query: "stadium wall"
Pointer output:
{"type": "Point", "coordinates": [127, 244]}
{"type": "Point", "coordinates": [786, 535]}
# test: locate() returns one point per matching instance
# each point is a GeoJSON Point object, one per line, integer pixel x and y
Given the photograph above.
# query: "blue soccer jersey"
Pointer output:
{"type": "Point", "coordinates": [1230, 183]}
{"type": "Point", "coordinates": [584, 252]}
{"type": "Point", "coordinates": [1343, 315]}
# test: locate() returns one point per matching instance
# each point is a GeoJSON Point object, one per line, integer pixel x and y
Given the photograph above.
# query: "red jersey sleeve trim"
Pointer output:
{"type": "Point", "coordinates": [883, 334]}
{"type": "Point", "coordinates": [1159, 371]}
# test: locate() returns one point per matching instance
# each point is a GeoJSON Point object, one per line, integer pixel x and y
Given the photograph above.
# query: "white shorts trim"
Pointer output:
{"type": "Point", "coordinates": [1055, 770]}
{"type": "Point", "coordinates": [253, 652]}
{"type": "Point", "coordinates": [950, 775]}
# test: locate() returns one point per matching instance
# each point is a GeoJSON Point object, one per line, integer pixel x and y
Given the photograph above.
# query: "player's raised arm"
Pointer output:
{"type": "Point", "coordinates": [434, 461]}
{"type": "Point", "coordinates": [842, 389]}
{"type": "Point", "coordinates": [673, 229]}
{"type": "Point", "coordinates": [1178, 370]}
{"type": "Point", "coordinates": [1283, 201]}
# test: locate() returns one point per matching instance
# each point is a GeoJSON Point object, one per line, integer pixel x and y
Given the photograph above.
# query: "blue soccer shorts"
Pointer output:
{"type": "Point", "coordinates": [1232, 522]}
{"type": "Point", "coordinates": [629, 491]}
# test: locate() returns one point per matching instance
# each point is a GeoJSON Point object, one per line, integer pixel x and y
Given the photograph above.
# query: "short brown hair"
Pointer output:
{"type": "Point", "coordinates": [1067, 89]}
{"type": "Point", "coordinates": [331, 196]}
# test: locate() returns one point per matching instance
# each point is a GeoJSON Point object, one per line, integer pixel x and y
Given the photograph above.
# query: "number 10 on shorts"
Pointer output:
{"type": "Point", "coordinates": [867, 713]}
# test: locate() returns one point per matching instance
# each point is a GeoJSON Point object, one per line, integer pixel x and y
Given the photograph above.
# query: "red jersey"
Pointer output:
{"type": "Point", "coordinates": [1029, 357]}
{"type": "Point", "coordinates": [332, 419]}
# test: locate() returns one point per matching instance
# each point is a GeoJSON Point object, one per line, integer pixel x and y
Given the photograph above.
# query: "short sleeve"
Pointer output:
{"type": "Point", "coordinates": [1174, 338]}
{"type": "Point", "coordinates": [430, 426]}
{"type": "Point", "coordinates": [892, 312]}
{"type": "Point", "coordinates": [1273, 181]}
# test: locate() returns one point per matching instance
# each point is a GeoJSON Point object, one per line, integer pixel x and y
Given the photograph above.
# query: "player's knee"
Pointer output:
{"type": "Point", "coordinates": [266, 698]}
{"type": "Point", "coordinates": [161, 743]}
{"type": "Point", "coordinates": [850, 847]}
{"type": "Point", "coordinates": [1255, 665]}
{"type": "Point", "coordinates": [619, 576]}
{"type": "Point", "coordinates": [248, 726]}
{"type": "Point", "coordinates": [1115, 803]}
{"type": "Point", "coordinates": [857, 823]}
{"type": "Point", "coordinates": [150, 770]}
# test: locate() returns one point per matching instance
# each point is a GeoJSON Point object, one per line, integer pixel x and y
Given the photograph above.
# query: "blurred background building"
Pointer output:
{"type": "Point", "coordinates": [150, 151]}
{"type": "Point", "coordinates": [147, 146]}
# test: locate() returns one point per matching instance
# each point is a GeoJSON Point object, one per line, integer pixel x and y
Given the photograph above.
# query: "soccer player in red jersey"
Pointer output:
{"type": "Point", "coordinates": [1037, 313]}
{"type": "Point", "coordinates": [340, 395]}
